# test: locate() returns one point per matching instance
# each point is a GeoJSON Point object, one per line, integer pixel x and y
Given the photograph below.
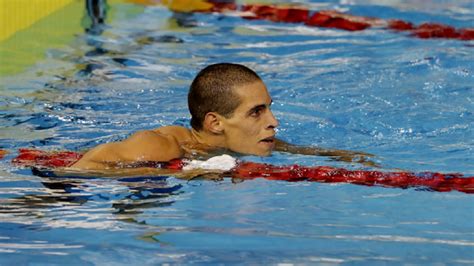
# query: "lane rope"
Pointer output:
{"type": "Point", "coordinates": [250, 170]}
{"type": "Point", "coordinates": [337, 20]}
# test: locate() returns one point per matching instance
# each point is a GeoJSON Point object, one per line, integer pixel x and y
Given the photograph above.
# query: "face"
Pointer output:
{"type": "Point", "coordinates": [251, 129]}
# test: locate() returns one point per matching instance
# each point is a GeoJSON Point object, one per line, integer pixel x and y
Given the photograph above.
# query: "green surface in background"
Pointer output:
{"type": "Point", "coordinates": [26, 47]}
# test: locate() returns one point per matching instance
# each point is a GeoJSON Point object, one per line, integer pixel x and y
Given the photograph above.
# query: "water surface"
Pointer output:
{"type": "Point", "coordinates": [408, 101]}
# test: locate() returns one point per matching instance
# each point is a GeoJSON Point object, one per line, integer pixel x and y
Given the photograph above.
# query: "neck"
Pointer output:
{"type": "Point", "coordinates": [208, 138]}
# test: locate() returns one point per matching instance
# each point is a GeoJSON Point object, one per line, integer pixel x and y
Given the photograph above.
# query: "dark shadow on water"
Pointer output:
{"type": "Point", "coordinates": [127, 196]}
{"type": "Point", "coordinates": [96, 13]}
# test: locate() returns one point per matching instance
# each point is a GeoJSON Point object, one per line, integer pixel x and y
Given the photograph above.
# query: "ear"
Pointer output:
{"type": "Point", "coordinates": [213, 123]}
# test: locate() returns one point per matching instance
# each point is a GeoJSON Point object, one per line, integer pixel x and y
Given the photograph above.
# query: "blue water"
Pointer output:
{"type": "Point", "coordinates": [408, 101]}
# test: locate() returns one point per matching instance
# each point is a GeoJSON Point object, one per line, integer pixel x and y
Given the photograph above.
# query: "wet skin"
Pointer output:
{"type": "Point", "coordinates": [249, 130]}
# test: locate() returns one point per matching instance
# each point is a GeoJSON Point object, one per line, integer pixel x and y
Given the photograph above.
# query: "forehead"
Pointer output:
{"type": "Point", "coordinates": [252, 94]}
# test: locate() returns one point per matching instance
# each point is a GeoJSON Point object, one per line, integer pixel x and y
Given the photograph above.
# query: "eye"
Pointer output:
{"type": "Point", "coordinates": [257, 112]}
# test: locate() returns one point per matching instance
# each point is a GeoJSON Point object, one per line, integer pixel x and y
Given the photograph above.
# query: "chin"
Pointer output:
{"type": "Point", "coordinates": [263, 153]}
{"type": "Point", "coordinates": [260, 151]}
{"type": "Point", "coordinates": [256, 153]}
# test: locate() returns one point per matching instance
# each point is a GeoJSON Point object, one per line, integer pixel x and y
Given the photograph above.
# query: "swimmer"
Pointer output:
{"type": "Point", "coordinates": [230, 112]}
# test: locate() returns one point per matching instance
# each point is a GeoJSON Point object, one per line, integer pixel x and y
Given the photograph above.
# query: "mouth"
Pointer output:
{"type": "Point", "coordinates": [269, 140]}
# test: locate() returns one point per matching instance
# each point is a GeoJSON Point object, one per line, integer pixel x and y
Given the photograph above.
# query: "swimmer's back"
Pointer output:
{"type": "Point", "coordinates": [161, 144]}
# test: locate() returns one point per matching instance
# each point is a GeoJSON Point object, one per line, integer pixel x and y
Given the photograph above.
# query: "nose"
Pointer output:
{"type": "Point", "coordinates": [272, 121]}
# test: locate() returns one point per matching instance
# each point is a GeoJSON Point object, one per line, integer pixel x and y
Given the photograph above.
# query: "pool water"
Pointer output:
{"type": "Point", "coordinates": [408, 101]}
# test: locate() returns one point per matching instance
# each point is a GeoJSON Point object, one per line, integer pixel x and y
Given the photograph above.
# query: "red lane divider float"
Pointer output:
{"type": "Point", "coordinates": [48, 159]}
{"type": "Point", "coordinates": [343, 21]}
{"type": "Point", "coordinates": [325, 174]}
{"type": "Point", "coordinates": [249, 170]}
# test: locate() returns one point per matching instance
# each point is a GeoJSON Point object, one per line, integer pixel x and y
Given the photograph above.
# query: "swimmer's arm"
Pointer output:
{"type": "Point", "coordinates": [143, 146]}
{"type": "Point", "coordinates": [140, 171]}
{"type": "Point", "coordinates": [339, 155]}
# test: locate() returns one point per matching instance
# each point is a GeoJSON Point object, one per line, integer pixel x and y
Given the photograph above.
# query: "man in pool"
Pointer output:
{"type": "Point", "coordinates": [230, 111]}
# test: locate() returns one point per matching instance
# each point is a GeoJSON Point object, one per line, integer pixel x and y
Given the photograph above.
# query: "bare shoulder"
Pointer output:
{"type": "Point", "coordinates": [151, 144]}
{"type": "Point", "coordinates": [142, 146]}
{"type": "Point", "coordinates": [181, 134]}
{"type": "Point", "coordinates": [147, 137]}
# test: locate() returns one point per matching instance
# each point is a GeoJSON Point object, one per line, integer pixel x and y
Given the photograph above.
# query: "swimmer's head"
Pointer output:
{"type": "Point", "coordinates": [231, 101]}
{"type": "Point", "coordinates": [212, 90]}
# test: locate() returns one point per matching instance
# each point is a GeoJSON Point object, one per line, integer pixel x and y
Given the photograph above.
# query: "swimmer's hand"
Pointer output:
{"type": "Point", "coordinates": [355, 157]}
{"type": "Point", "coordinates": [338, 155]}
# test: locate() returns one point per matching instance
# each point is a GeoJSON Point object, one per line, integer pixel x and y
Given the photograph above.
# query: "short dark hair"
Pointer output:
{"type": "Point", "coordinates": [212, 90]}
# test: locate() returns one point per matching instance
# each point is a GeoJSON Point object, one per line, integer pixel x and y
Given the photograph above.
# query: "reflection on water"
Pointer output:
{"type": "Point", "coordinates": [87, 203]}
{"type": "Point", "coordinates": [96, 11]}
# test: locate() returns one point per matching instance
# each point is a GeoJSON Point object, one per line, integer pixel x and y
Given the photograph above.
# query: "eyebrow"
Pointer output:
{"type": "Point", "coordinates": [260, 106]}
